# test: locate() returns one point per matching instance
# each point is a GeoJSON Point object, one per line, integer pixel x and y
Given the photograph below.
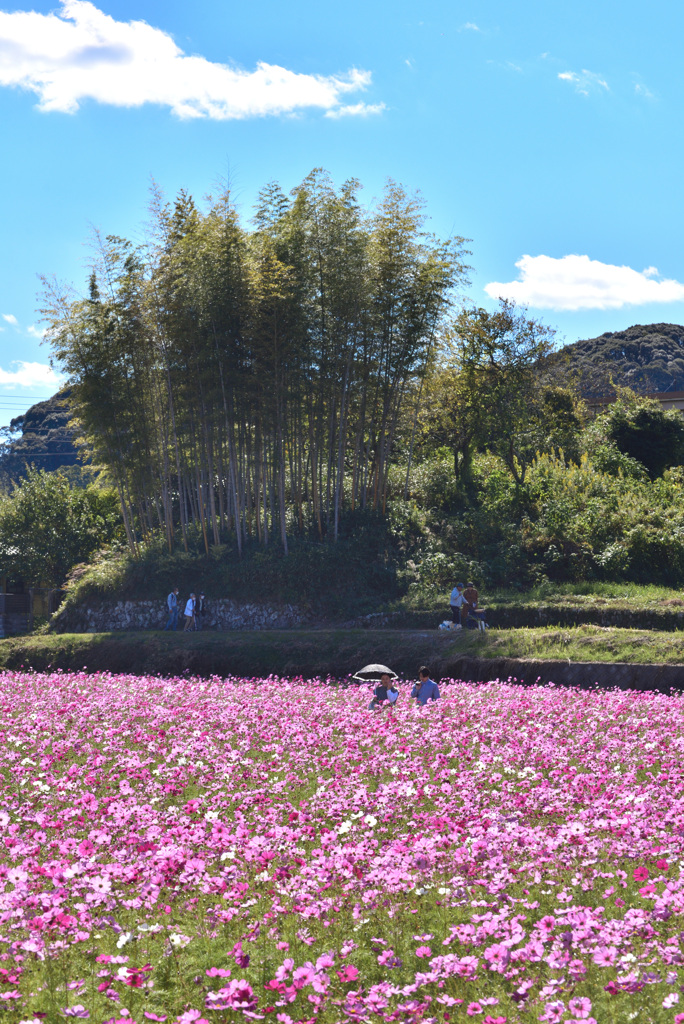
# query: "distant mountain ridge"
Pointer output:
{"type": "Point", "coordinates": [645, 357]}
{"type": "Point", "coordinates": [42, 437]}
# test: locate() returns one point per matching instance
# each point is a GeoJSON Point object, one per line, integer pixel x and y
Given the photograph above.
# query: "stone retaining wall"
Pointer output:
{"type": "Point", "coordinates": [135, 615]}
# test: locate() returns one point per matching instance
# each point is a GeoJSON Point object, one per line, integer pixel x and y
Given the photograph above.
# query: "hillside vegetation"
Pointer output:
{"type": "Point", "coordinates": [305, 410]}
{"type": "Point", "coordinates": [645, 357]}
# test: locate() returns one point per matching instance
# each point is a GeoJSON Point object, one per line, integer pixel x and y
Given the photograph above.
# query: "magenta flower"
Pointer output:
{"type": "Point", "coordinates": [348, 973]}
{"type": "Point", "coordinates": [640, 874]}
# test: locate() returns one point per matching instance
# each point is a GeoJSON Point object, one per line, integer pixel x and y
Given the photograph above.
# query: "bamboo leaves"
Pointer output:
{"type": "Point", "coordinates": [250, 382]}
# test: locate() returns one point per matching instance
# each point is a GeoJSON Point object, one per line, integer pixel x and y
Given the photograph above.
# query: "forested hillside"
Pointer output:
{"type": "Point", "coordinates": [645, 357]}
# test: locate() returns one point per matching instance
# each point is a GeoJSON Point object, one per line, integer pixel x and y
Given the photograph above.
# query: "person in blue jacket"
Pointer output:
{"type": "Point", "coordinates": [425, 689]}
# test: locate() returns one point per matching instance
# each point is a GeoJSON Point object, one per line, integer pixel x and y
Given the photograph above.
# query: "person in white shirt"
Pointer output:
{"type": "Point", "coordinates": [457, 600]}
{"type": "Point", "coordinates": [189, 614]}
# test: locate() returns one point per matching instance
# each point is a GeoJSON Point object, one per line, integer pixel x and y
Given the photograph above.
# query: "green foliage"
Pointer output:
{"type": "Point", "coordinates": [642, 431]}
{"type": "Point", "coordinates": [225, 376]}
{"type": "Point", "coordinates": [489, 393]}
{"type": "Point", "coordinates": [47, 527]}
{"type": "Point", "coordinates": [342, 580]}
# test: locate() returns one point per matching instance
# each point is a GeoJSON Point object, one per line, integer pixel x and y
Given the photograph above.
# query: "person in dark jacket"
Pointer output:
{"type": "Point", "coordinates": [380, 693]}
{"type": "Point", "coordinates": [200, 609]}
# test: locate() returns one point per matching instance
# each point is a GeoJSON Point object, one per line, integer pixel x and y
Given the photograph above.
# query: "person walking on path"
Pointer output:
{"type": "Point", "coordinates": [456, 601]}
{"type": "Point", "coordinates": [172, 605]}
{"type": "Point", "coordinates": [189, 614]}
{"type": "Point", "coordinates": [425, 689]}
{"type": "Point", "coordinates": [200, 609]}
{"type": "Point", "coordinates": [470, 596]}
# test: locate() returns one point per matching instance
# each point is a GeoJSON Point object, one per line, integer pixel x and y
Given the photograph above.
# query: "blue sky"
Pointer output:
{"type": "Point", "coordinates": [550, 134]}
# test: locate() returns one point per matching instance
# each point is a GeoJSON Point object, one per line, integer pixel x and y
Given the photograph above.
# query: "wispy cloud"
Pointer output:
{"type": "Point", "coordinates": [642, 90]}
{"type": "Point", "coordinates": [585, 82]}
{"type": "Point", "coordinates": [470, 26]}
{"type": "Point", "coordinates": [10, 319]}
{"type": "Point", "coordinates": [356, 110]}
{"type": "Point", "coordinates": [30, 375]}
{"type": "Point", "coordinates": [35, 332]}
{"type": "Point", "coordinates": [81, 53]}
{"type": "Point", "coordinates": [577, 282]}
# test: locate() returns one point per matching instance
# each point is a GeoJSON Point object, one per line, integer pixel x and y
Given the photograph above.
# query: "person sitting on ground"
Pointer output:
{"type": "Point", "coordinates": [189, 614]}
{"type": "Point", "coordinates": [425, 689]}
{"type": "Point", "coordinates": [456, 602]}
{"type": "Point", "coordinates": [470, 596]}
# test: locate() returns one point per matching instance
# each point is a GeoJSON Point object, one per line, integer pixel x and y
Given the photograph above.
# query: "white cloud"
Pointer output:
{"type": "Point", "coordinates": [35, 332]}
{"type": "Point", "coordinates": [30, 375]}
{"type": "Point", "coordinates": [585, 82]}
{"type": "Point", "coordinates": [81, 53]}
{"type": "Point", "coordinates": [356, 110]}
{"type": "Point", "coordinates": [470, 26]}
{"type": "Point", "coordinates": [11, 319]}
{"type": "Point", "coordinates": [576, 282]}
{"type": "Point", "coordinates": [642, 90]}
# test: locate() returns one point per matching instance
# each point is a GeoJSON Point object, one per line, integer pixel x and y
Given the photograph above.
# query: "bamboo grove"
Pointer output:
{"type": "Point", "coordinates": [248, 383]}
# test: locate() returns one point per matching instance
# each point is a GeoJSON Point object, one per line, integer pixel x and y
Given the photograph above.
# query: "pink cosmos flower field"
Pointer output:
{"type": "Point", "coordinates": [229, 850]}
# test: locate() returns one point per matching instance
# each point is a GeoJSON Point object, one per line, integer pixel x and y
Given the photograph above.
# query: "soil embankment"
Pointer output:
{"type": "Point", "coordinates": [320, 653]}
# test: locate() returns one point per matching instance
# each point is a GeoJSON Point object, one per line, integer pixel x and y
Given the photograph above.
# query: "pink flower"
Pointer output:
{"type": "Point", "coordinates": [640, 874]}
{"type": "Point", "coordinates": [605, 956]}
{"type": "Point", "coordinates": [670, 1001]}
{"type": "Point", "coordinates": [473, 1008]}
{"type": "Point", "coordinates": [76, 1011]}
{"type": "Point", "coordinates": [497, 956]}
{"type": "Point", "coordinates": [662, 865]}
{"type": "Point", "coordinates": [303, 976]}
{"type": "Point", "coordinates": [553, 1011]}
{"type": "Point", "coordinates": [580, 1007]}
{"type": "Point", "coordinates": [348, 973]}
{"type": "Point", "coordinates": [423, 951]}
{"type": "Point", "coordinates": [236, 995]}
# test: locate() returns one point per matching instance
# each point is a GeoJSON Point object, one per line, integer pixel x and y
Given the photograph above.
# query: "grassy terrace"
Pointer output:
{"type": "Point", "coordinates": [332, 652]}
{"type": "Point", "coordinates": [625, 605]}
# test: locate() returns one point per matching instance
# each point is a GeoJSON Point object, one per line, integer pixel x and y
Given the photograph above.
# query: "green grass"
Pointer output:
{"type": "Point", "coordinates": [586, 643]}
{"type": "Point", "coordinates": [623, 605]}
{"type": "Point", "coordinates": [337, 653]}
